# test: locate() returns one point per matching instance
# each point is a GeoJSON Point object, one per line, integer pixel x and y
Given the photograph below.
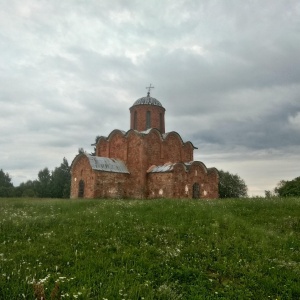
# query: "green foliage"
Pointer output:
{"type": "Point", "coordinates": [61, 180]}
{"type": "Point", "coordinates": [158, 249]}
{"type": "Point", "coordinates": [44, 183]}
{"type": "Point", "coordinates": [96, 141]}
{"type": "Point", "coordinates": [6, 186]}
{"type": "Point", "coordinates": [81, 151]}
{"type": "Point", "coordinates": [6, 191]}
{"type": "Point", "coordinates": [26, 189]}
{"type": "Point", "coordinates": [288, 188]}
{"type": "Point", "coordinates": [231, 186]}
{"type": "Point", "coordinates": [5, 180]}
{"type": "Point", "coordinates": [55, 184]}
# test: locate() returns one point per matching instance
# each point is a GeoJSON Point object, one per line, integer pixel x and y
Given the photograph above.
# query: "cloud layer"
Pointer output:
{"type": "Point", "coordinates": [228, 74]}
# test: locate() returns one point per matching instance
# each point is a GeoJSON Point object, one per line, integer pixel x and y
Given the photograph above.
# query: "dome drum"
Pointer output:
{"type": "Point", "coordinates": [147, 112]}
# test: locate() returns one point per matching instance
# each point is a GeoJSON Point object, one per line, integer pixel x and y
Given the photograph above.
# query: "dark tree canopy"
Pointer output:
{"type": "Point", "coordinates": [55, 184]}
{"type": "Point", "coordinates": [60, 181]}
{"type": "Point", "coordinates": [44, 183]}
{"type": "Point", "coordinates": [96, 141]}
{"type": "Point", "coordinates": [288, 188]}
{"type": "Point", "coordinates": [27, 189]}
{"type": "Point", "coordinates": [6, 186]}
{"type": "Point", "coordinates": [81, 151]}
{"type": "Point", "coordinates": [231, 186]}
{"type": "Point", "coordinates": [5, 180]}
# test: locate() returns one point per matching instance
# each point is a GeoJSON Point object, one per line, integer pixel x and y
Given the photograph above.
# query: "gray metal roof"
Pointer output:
{"type": "Point", "coordinates": [188, 164]}
{"type": "Point", "coordinates": [107, 164]}
{"type": "Point", "coordinates": [170, 167]}
{"type": "Point", "coordinates": [147, 101]}
{"type": "Point", "coordinates": [162, 169]}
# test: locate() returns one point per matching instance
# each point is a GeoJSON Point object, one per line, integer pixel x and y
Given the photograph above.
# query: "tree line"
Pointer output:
{"type": "Point", "coordinates": [286, 188]}
{"type": "Point", "coordinates": [49, 184]}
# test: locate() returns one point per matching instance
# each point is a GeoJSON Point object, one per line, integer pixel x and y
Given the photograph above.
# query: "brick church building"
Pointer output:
{"type": "Point", "coordinates": [144, 162]}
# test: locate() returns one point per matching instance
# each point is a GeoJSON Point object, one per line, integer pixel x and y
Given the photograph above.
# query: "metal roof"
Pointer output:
{"type": "Point", "coordinates": [169, 167]}
{"type": "Point", "coordinates": [147, 101]}
{"type": "Point", "coordinates": [162, 169]}
{"type": "Point", "coordinates": [107, 164]}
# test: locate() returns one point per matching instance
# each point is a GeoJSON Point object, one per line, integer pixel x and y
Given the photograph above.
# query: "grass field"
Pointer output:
{"type": "Point", "coordinates": [150, 249]}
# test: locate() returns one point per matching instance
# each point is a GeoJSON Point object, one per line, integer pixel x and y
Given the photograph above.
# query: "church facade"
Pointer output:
{"type": "Point", "coordinates": [144, 162]}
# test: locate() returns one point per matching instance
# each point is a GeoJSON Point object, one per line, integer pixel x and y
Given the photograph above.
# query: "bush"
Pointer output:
{"type": "Point", "coordinates": [231, 186]}
{"type": "Point", "coordinates": [288, 188]}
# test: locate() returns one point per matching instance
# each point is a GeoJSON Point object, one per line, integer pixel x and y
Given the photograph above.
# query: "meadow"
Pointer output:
{"type": "Point", "coordinates": [150, 249]}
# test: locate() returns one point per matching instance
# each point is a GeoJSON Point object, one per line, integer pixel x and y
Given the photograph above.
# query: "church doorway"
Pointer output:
{"type": "Point", "coordinates": [196, 190]}
{"type": "Point", "coordinates": [81, 189]}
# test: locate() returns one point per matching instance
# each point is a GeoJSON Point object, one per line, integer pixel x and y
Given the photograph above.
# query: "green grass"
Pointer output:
{"type": "Point", "coordinates": [150, 249]}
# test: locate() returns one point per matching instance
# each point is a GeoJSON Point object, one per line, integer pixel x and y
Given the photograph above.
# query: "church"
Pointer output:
{"type": "Point", "coordinates": [143, 163]}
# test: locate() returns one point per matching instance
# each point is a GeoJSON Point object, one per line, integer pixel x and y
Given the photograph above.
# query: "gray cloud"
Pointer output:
{"type": "Point", "coordinates": [227, 73]}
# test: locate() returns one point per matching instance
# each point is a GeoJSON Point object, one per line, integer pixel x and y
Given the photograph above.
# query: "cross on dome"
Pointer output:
{"type": "Point", "coordinates": [149, 87]}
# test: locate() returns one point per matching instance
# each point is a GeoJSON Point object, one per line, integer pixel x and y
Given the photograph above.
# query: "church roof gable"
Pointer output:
{"type": "Point", "coordinates": [163, 136]}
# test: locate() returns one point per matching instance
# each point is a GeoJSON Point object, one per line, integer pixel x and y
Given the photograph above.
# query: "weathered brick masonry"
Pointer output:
{"type": "Point", "coordinates": [144, 162]}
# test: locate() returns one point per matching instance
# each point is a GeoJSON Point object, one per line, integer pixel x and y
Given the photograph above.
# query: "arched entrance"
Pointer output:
{"type": "Point", "coordinates": [81, 189]}
{"type": "Point", "coordinates": [196, 190]}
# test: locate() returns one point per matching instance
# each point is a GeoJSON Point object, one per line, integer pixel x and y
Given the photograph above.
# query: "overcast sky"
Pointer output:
{"type": "Point", "coordinates": [227, 72]}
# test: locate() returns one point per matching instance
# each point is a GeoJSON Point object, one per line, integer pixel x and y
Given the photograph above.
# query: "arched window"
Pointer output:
{"type": "Point", "coordinates": [148, 119]}
{"type": "Point", "coordinates": [135, 120]}
{"type": "Point", "coordinates": [161, 122]}
{"type": "Point", "coordinates": [81, 189]}
{"type": "Point", "coordinates": [196, 190]}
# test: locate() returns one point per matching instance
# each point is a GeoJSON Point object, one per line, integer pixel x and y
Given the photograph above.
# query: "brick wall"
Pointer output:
{"type": "Point", "coordinates": [179, 182]}
{"type": "Point", "coordinates": [82, 171]}
{"type": "Point", "coordinates": [110, 185]}
{"type": "Point", "coordinates": [140, 111]}
{"type": "Point", "coordinates": [160, 185]}
{"type": "Point", "coordinates": [139, 152]}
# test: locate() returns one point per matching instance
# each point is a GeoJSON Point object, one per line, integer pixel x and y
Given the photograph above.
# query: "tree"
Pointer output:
{"type": "Point", "coordinates": [269, 194]}
{"type": "Point", "coordinates": [96, 141]}
{"type": "Point", "coordinates": [231, 186]}
{"type": "Point", "coordinates": [27, 189]}
{"type": "Point", "coordinates": [44, 183]}
{"type": "Point", "coordinates": [288, 188]}
{"type": "Point", "coordinates": [81, 151]}
{"type": "Point", "coordinates": [5, 180]}
{"type": "Point", "coordinates": [6, 186]}
{"type": "Point", "coordinates": [61, 180]}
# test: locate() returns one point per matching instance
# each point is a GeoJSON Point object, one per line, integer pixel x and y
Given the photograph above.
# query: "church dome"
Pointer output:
{"type": "Point", "coordinates": [147, 101]}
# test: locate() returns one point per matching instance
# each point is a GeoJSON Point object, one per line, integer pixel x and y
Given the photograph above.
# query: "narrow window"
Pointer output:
{"type": "Point", "coordinates": [196, 190]}
{"type": "Point", "coordinates": [135, 120]}
{"type": "Point", "coordinates": [81, 189]}
{"type": "Point", "coordinates": [148, 120]}
{"type": "Point", "coordinates": [161, 122]}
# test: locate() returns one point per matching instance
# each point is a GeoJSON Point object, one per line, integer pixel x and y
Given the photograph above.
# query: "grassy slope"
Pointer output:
{"type": "Point", "coordinates": [158, 249]}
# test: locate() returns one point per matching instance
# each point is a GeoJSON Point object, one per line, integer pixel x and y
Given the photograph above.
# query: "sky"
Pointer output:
{"type": "Point", "coordinates": [227, 72]}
